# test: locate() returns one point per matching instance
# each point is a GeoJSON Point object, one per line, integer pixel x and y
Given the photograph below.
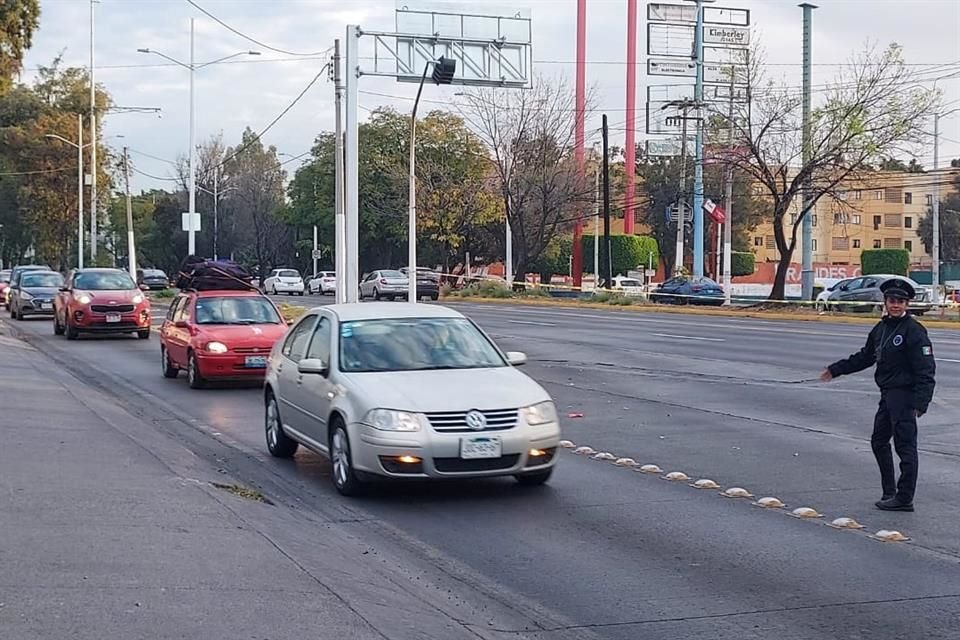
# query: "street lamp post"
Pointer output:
{"type": "Point", "coordinates": [443, 70]}
{"type": "Point", "coordinates": [79, 147]}
{"type": "Point", "coordinates": [192, 67]}
{"type": "Point", "coordinates": [935, 244]}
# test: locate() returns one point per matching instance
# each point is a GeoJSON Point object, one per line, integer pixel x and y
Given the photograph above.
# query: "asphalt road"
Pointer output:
{"type": "Point", "coordinates": [606, 552]}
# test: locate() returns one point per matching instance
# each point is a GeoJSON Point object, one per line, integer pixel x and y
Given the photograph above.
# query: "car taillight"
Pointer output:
{"type": "Point", "coordinates": [383, 281]}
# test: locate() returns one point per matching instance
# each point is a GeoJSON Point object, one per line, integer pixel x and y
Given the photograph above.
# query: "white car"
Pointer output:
{"type": "Point", "coordinates": [286, 281]}
{"type": "Point", "coordinates": [385, 283]}
{"type": "Point", "coordinates": [406, 391]}
{"type": "Point", "coordinates": [323, 283]}
{"type": "Point", "coordinates": [829, 286]}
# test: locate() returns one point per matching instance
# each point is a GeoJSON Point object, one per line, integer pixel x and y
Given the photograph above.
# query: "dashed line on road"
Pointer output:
{"type": "Point", "coordinates": [698, 338]}
{"type": "Point", "coordinates": [538, 324]}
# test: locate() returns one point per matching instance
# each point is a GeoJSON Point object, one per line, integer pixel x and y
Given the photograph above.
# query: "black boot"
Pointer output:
{"type": "Point", "coordinates": [895, 504]}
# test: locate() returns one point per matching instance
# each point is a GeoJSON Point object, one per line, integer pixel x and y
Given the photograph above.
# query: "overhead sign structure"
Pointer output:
{"type": "Point", "coordinates": [665, 12]}
{"type": "Point", "coordinates": [713, 72]}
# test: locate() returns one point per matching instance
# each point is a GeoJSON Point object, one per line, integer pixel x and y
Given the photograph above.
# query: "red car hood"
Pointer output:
{"type": "Point", "coordinates": [260, 336]}
{"type": "Point", "coordinates": [114, 297]}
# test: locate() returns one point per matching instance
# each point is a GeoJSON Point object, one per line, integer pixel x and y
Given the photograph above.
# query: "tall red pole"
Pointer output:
{"type": "Point", "coordinates": [581, 112]}
{"type": "Point", "coordinates": [631, 142]}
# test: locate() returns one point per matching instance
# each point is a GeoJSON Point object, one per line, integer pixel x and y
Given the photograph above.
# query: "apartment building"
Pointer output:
{"type": "Point", "coordinates": [881, 211]}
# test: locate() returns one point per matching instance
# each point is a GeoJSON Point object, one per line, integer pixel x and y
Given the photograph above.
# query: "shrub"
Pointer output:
{"type": "Point", "coordinates": [486, 289]}
{"type": "Point", "coordinates": [742, 263]}
{"type": "Point", "coordinates": [629, 252]}
{"type": "Point", "coordinates": [164, 293]}
{"type": "Point", "coordinates": [892, 261]}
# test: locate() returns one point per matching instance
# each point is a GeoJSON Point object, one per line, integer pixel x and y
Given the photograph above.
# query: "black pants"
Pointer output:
{"type": "Point", "coordinates": [895, 419]}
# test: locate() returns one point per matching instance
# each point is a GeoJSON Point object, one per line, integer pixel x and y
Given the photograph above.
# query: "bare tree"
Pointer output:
{"type": "Point", "coordinates": [874, 109]}
{"type": "Point", "coordinates": [530, 138]}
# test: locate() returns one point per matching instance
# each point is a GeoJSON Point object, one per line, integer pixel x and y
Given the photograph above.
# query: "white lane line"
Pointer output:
{"type": "Point", "coordinates": [948, 360]}
{"type": "Point", "coordinates": [670, 335]}
{"type": "Point", "coordinates": [539, 324]}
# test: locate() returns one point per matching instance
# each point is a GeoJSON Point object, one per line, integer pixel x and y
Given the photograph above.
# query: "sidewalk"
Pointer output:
{"type": "Point", "coordinates": [100, 538]}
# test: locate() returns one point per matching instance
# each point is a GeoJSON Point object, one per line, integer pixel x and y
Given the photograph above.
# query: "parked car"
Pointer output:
{"type": "Point", "coordinates": [4, 281]}
{"type": "Point", "coordinates": [152, 279]}
{"type": "Point", "coordinates": [629, 286]}
{"type": "Point", "coordinates": [15, 275]}
{"type": "Point", "coordinates": [428, 282]}
{"type": "Point", "coordinates": [34, 294]}
{"type": "Point", "coordinates": [863, 294]}
{"type": "Point", "coordinates": [323, 283]}
{"type": "Point", "coordinates": [225, 335]}
{"type": "Point", "coordinates": [286, 281]}
{"type": "Point", "coordinates": [386, 283]}
{"type": "Point", "coordinates": [823, 298]}
{"type": "Point", "coordinates": [688, 290]}
{"type": "Point", "coordinates": [101, 301]}
{"type": "Point", "coordinates": [406, 391]}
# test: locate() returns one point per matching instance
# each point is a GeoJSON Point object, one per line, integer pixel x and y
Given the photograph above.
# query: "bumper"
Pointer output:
{"type": "Point", "coordinates": [90, 322]}
{"type": "Point", "coordinates": [287, 288]}
{"type": "Point", "coordinates": [229, 366]}
{"type": "Point", "coordinates": [34, 309]}
{"type": "Point", "coordinates": [375, 451]}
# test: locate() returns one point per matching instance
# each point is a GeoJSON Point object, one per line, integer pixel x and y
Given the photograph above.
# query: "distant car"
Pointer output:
{"type": "Point", "coordinates": [34, 294]}
{"type": "Point", "coordinates": [428, 282]}
{"type": "Point", "coordinates": [406, 391]}
{"type": "Point", "coordinates": [323, 283]}
{"type": "Point", "coordinates": [153, 279]}
{"type": "Point", "coordinates": [629, 286]}
{"type": "Point", "coordinates": [225, 335]}
{"type": "Point", "coordinates": [689, 290]}
{"type": "Point", "coordinates": [15, 275]}
{"type": "Point", "coordinates": [286, 281]}
{"type": "Point", "coordinates": [385, 283]}
{"type": "Point", "coordinates": [823, 298]}
{"type": "Point", "coordinates": [4, 281]}
{"type": "Point", "coordinates": [101, 301]}
{"type": "Point", "coordinates": [863, 294]}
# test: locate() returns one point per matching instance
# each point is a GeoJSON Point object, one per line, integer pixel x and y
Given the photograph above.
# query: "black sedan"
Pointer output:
{"type": "Point", "coordinates": [33, 294]}
{"type": "Point", "coordinates": [687, 290]}
{"type": "Point", "coordinates": [152, 278]}
{"type": "Point", "coordinates": [428, 282]}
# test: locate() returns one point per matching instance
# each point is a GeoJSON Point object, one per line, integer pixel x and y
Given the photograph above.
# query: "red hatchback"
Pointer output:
{"type": "Point", "coordinates": [225, 335]}
{"type": "Point", "coordinates": [101, 301]}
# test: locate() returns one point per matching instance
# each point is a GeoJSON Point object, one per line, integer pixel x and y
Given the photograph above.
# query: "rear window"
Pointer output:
{"type": "Point", "coordinates": [630, 283]}
{"type": "Point", "coordinates": [392, 274]}
{"type": "Point", "coordinates": [288, 273]}
{"type": "Point", "coordinates": [153, 273]}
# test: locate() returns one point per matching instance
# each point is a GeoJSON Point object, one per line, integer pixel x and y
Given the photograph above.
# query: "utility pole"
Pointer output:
{"type": "Point", "coordinates": [131, 248]}
{"type": "Point", "coordinates": [580, 97]}
{"type": "Point", "coordinates": [80, 191]}
{"type": "Point", "coordinates": [630, 144]}
{"type": "Point", "coordinates": [93, 144]}
{"type": "Point", "coordinates": [728, 203]}
{"type": "Point", "coordinates": [807, 225]}
{"type": "Point", "coordinates": [340, 241]}
{"type": "Point", "coordinates": [351, 179]}
{"type": "Point", "coordinates": [698, 168]}
{"type": "Point", "coordinates": [192, 208]}
{"type": "Point", "coordinates": [596, 230]}
{"type": "Point", "coordinates": [216, 198]}
{"type": "Point", "coordinates": [935, 248]}
{"type": "Point", "coordinates": [683, 106]}
{"type": "Point", "coordinates": [606, 205]}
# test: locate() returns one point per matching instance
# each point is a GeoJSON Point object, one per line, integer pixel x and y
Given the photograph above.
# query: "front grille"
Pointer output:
{"type": "Point", "coordinates": [111, 308]}
{"type": "Point", "coordinates": [256, 350]}
{"type": "Point", "coordinates": [458, 465]}
{"type": "Point", "coordinates": [456, 421]}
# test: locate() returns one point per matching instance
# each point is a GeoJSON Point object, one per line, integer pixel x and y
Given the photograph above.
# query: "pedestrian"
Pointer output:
{"type": "Point", "coordinates": [901, 349]}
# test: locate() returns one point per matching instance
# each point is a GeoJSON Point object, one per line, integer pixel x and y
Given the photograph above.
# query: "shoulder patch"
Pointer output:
{"type": "Point", "coordinates": [927, 351]}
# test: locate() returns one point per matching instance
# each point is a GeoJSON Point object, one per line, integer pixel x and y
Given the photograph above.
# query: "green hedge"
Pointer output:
{"type": "Point", "coordinates": [629, 252]}
{"type": "Point", "coordinates": [742, 263]}
{"type": "Point", "coordinates": [892, 261]}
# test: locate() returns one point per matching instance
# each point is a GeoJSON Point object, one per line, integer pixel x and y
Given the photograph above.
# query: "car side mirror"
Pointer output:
{"type": "Point", "coordinates": [516, 358]}
{"type": "Point", "coordinates": [314, 366]}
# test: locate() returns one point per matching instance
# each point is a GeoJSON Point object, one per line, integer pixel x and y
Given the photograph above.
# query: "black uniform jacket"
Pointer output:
{"type": "Point", "coordinates": [903, 354]}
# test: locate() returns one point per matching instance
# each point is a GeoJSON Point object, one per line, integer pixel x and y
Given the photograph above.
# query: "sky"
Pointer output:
{"type": "Point", "coordinates": [253, 90]}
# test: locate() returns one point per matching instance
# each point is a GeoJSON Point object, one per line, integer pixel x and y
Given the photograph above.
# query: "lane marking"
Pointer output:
{"type": "Point", "coordinates": [539, 324]}
{"type": "Point", "coordinates": [948, 360]}
{"type": "Point", "coordinates": [670, 335]}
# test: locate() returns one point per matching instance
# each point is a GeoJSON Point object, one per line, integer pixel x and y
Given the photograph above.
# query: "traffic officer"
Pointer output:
{"type": "Point", "coordinates": [900, 348]}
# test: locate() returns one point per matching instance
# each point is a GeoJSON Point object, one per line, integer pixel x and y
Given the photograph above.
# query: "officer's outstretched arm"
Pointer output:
{"type": "Point", "coordinates": [924, 369]}
{"type": "Point", "coordinates": [859, 361]}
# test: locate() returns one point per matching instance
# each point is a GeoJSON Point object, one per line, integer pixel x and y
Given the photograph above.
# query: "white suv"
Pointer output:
{"type": "Point", "coordinates": [286, 281]}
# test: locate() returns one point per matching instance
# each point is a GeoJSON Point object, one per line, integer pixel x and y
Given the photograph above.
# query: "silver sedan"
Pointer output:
{"type": "Point", "coordinates": [406, 391]}
{"type": "Point", "coordinates": [385, 283]}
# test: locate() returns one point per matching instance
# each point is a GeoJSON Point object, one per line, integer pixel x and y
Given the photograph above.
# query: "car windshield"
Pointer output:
{"type": "Point", "coordinates": [47, 280]}
{"type": "Point", "coordinates": [415, 344]}
{"type": "Point", "coordinates": [392, 274]}
{"type": "Point", "coordinates": [236, 310]}
{"type": "Point", "coordinates": [104, 281]}
{"type": "Point", "coordinates": [288, 273]}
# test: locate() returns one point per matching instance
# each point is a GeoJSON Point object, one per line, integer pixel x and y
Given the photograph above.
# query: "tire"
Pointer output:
{"type": "Point", "coordinates": [71, 331]}
{"type": "Point", "coordinates": [143, 334]}
{"type": "Point", "coordinates": [345, 479]}
{"type": "Point", "coordinates": [376, 294]}
{"type": "Point", "coordinates": [279, 444]}
{"type": "Point", "coordinates": [534, 478]}
{"type": "Point", "coordinates": [169, 369]}
{"type": "Point", "coordinates": [57, 327]}
{"type": "Point", "coordinates": [435, 296]}
{"type": "Point", "coordinates": [196, 380]}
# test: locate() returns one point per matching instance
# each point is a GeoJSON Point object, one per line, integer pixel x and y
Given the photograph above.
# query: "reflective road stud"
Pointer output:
{"type": "Point", "coordinates": [603, 455]}
{"type": "Point", "coordinates": [566, 444]}
{"type": "Point", "coordinates": [736, 492]}
{"type": "Point", "coordinates": [625, 462]}
{"type": "Point", "coordinates": [584, 451]}
{"type": "Point", "coordinates": [650, 468]}
{"type": "Point", "coordinates": [889, 536]}
{"type": "Point", "coordinates": [806, 512]}
{"type": "Point", "coordinates": [676, 476]}
{"type": "Point", "coordinates": [770, 503]}
{"type": "Point", "coordinates": [846, 523]}
{"type": "Point", "coordinates": [705, 483]}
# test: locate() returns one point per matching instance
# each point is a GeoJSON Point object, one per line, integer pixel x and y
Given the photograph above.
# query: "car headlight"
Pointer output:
{"type": "Point", "coordinates": [390, 420]}
{"type": "Point", "coordinates": [137, 299]}
{"type": "Point", "coordinates": [82, 298]}
{"type": "Point", "coordinates": [541, 413]}
{"type": "Point", "coordinates": [25, 296]}
{"type": "Point", "coordinates": [216, 347]}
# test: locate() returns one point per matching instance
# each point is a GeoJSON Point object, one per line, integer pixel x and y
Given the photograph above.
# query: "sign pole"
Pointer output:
{"type": "Point", "coordinates": [698, 167]}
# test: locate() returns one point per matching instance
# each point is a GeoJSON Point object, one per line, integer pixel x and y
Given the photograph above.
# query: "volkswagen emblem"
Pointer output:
{"type": "Point", "coordinates": [476, 420]}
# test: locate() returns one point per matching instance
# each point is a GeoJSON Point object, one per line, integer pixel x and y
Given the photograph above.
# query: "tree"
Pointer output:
{"type": "Point", "coordinates": [529, 137]}
{"type": "Point", "coordinates": [18, 20]}
{"type": "Point", "coordinates": [949, 225]}
{"type": "Point", "coordinates": [875, 108]}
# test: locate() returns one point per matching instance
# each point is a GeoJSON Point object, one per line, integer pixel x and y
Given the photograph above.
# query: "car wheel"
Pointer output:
{"type": "Point", "coordinates": [72, 332]}
{"type": "Point", "coordinates": [376, 294]}
{"type": "Point", "coordinates": [341, 462]}
{"type": "Point", "coordinates": [279, 443]}
{"type": "Point", "coordinates": [169, 369]}
{"type": "Point", "coordinates": [57, 327]}
{"type": "Point", "coordinates": [143, 334]}
{"type": "Point", "coordinates": [534, 478]}
{"type": "Point", "coordinates": [435, 296]}
{"type": "Point", "coordinates": [194, 377]}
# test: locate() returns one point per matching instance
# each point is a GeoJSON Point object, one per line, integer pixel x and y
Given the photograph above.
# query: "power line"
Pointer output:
{"type": "Point", "coordinates": [254, 40]}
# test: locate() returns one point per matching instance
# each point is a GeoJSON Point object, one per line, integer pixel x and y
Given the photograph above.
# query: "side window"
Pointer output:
{"type": "Point", "coordinates": [173, 307]}
{"type": "Point", "coordinates": [869, 283]}
{"type": "Point", "coordinates": [295, 346]}
{"type": "Point", "coordinates": [855, 284]}
{"type": "Point", "coordinates": [181, 311]}
{"type": "Point", "coordinates": [320, 343]}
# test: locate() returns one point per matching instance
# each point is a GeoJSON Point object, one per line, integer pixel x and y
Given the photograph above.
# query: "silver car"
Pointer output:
{"type": "Point", "coordinates": [385, 283]}
{"type": "Point", "coordinates": [406, 391]}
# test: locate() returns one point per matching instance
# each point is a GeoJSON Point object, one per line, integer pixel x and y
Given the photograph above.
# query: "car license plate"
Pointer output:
{"type": "Point", "coordinates": [256, 362]}
{"type": "Point", "coordinates": [46, 306]}
{"type": "Point", "coordinates": [480, 447]}
{"type": "Point", "coordinates": [113, 317]}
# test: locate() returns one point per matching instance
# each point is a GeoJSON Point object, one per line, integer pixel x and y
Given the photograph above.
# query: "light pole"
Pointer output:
{"type": "Point", "coordinates": [935, 244]}
{"type": "Point", "coordinates": [93, 139]}
{"type": "Point", "coordinates": [192, 66]}
{"type": "Point", "coordinates": [443, 70]}
{"type": "Point", "coordinates": [79, 147]}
